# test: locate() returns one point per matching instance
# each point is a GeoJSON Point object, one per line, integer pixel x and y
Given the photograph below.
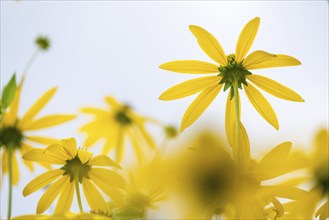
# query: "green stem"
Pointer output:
{"type": "Point", "coordinates": [30, 62]}
{"type": "Point", "coordinates": [237, 144]}
{"type": "Point", "coordinates": [77, 191]}
{"type": "Point", "coordinates": [10, 191]}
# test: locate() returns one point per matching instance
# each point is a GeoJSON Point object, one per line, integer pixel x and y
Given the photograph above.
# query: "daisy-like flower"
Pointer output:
{"type": "Point", "coordinates": [77, 167]}
{"type": "Point", "coordinates": [14, 130]}
{"type": "Point", "coordinates": [231, 72]}
{"type": "Point", "coordinates": [116, 124]}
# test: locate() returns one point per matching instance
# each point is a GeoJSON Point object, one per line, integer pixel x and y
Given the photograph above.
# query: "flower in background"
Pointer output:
{"type": "Point", "coordinates": [231, 72]}
{"type": "Point", "coordinates": [85, 216]}
{"type": "Point", "coordinates": [14, 130]}
{"type": "Point", "coordinates": [116, 124]}
{"type": "Point", "coordinates": [78, 167]}
{"type": "Point", "coordinates": [318, 167]}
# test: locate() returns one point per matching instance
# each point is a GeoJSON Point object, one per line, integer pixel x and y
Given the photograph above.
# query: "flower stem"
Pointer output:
{"type": "Point", "coordinates": [77, 191]}
{"type": "Point", "coordinates": [10, 191]}
{"type": "Point", "coordinates": [30, 61]}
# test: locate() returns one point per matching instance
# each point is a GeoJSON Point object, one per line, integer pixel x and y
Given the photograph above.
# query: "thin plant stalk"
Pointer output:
{"type": "Point", "coordinates": [77, 191]}
{"type": "Point", "coordinates": [10, 177]}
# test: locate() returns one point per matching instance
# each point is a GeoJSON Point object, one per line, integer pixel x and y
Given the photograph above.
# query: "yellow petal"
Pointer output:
{"type": "Point", "coordinates": [15, 169]}
{"type": "Point", "coordinates": [24, 148]}
{"type": "Point", "coordinates": [57, 151]}
{"type": "Point", "coordinates": [70, 146]}
{"type": "Point", "coordinates": [279, 60]}
{"type": "Point", "coordinates": [120, 145]}
{"type": "Point", "coordinates": [38, 155]}
{"type": "Point", "coordinates": [244, 147]}
{"type": "Point", "coordinates": [84, 156]}
{"type": "Point", "coordinates": [268, 167]}
{"type": "Point", "coordinates": [189, 87]}
{"type": "Point", "coordinates": [323, 211]}
{"type": "Point", "coordinates": [209, 44]}
{"type": "Point", "coordinates": [199, 105]}
{"type": "Point", "coordinates": [146, 136]}
{"type": "Point", "coordinates": [65, 199]}
{"type": "Point", "coordinates": [42, 181]}
{"type": "Point", "coordinates": [190, 66]}
{"type": "Point", "coordinates": [51, 194]}
{"type": "Point", "coordinates": [112, 101]}
{"type": "Point", "coordinates": [42, 140]}
{"type": "Point", "coordinates": [230, 119]}
{"type": "Point", "coordinates": [103, 160]}
{"type": "Point", "coordinates": [11, 116]}
{"type": "Point", "coordinates": [261, 105]}
{"type": "Point", "coordinates": [114, 193]}
{"type": "Point", "coordinates": [107, 176]}
{"type": "Point", "coordinates": [287, 192]}
{"type": "Point", "coordinates": [255, 58]}
{"type": "Point", "coordinates": [46, 122]}
{"type": "Point", "coordinates": [275, 88]}
{"type": "Point", "coordinates": [94, 111]}
{"type": "Point", "coordinates": [246, 38]}
{"type": "Point", "coordinates": [278, 207]}
{"type": "Point", "coordinates": [93, 197]}
{"type": "Point", "coordinates": [136, 146]}
{"type": "Point", "coordinates": [37, 106]}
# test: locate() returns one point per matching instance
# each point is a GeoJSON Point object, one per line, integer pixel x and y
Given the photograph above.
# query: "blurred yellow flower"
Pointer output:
{"type": "Point", "coordinates": [318, 168]}
{"type": "Point", "coordinates": [116, 124]}
{"type": "Point", "coordinates": [78, 167]}
{"type": "Point", "coordinates": [231, 71]}
{"type": "Point", "coordinates": [14, 134]}
{"type": "Point", "coordinates": [85, 216]}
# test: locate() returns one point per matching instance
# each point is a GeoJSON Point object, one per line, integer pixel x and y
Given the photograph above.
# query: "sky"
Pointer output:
{"type": "Point", "coordinates": [101, 48]}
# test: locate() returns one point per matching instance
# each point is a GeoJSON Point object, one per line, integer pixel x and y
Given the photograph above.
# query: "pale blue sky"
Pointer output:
{"type": "Point", "coordinates": [104, 48]}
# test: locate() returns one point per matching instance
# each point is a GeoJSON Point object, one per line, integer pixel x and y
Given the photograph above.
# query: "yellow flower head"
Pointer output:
{"type": "Point", "coordinates": [77, 167]}
{"type": "Point", "coordinates": [116, 124]}
{"type": "Point", "coordinates": [14, 130]}
{"type": "Point", "coordinates": [231, 72]}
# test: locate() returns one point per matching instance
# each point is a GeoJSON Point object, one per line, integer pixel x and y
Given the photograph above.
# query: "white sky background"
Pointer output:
{"type": "Point", "coordinates": [114, 48]}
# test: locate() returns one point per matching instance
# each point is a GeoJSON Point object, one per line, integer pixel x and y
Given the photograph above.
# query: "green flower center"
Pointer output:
{"type": "Point", "coordinates": [11, 137]}
{"type": "Point", "coordinates": [76, 169]}
{"type": "Point", "coordinates": [122, 116]}
{"type": "Point", "coordinates": [233, 73]}
{"type": "Point", "coordinates": [322, 177]}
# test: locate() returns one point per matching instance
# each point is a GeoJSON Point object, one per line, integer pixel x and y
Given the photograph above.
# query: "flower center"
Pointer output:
{"type": "Point", "coordinates": [233, 73]}
{"type": "Point", "coordinates": [11, 137]}
{"type": "Point", "coordinates": [122, 116]}
{"type": "Point", "coordinates": [76, 169]}
{"type": "Point", "coordinates": [139, 200]}
{"type": "Point", "coordinates": [322, 177]}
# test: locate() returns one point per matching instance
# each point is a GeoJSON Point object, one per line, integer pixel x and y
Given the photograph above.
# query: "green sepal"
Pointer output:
{"type": "Point", "coordinates": [232, 94]}
{"type": "Point", "coordinates": [9, 92]}
{"type": "Point", "coordinates": [227, 85]}
{"type": "Point", "coordinates": [239, 86]}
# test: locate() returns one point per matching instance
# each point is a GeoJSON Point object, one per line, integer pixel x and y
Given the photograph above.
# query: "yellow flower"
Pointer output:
{"type": "Point", "coordinates": [14, 130]}
{"type": "Point", "coordinates": [145, 188]}
{"type": "Point", "coordinates": [116, 124]}
{"type": "Point", "coordinates": [211, 176]}
{"type": "Point", "coordinates": [318, 168]}
{"type": "Point", "coordinates": [85, 216]}
{"type": "Point", "coordinates": [78, 167]}
{"type": "Point", "coordinates": [231, 72]}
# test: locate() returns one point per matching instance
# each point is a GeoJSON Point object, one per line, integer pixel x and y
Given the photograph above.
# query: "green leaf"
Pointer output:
{"type": "Point", "coordinates": [8, 92]}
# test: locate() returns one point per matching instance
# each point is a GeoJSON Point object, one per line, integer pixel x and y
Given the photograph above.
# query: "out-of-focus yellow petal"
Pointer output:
{"type": "Point", "coordinates": [199, 105]}
{"type": "Point", "coordinates": [107, 176]}
{"type": "Point", "coordinates": [246, 38]}
{"type": "Point", "coordinates": [279, 60]}
{"type": "Point", "coordinates": [15, 169]}
{"type": "Point", "coordinates": [275, 88]}
{"type": "Point", "coordinates": [112, 101]}
{"type": "Point", "coordinates": [114, 193]}
{"type": "Point", "coordinates": [37, 106]}
{"type": "Point", "coordinates": [146, 136]}
{"type": "Point", "coordinates": [244, 148]}
{"type": "Point", "coordinates": [321, 145]}
{"type": "Point", "coordinates": [189, 87]}
{"type": "Point", "coordinates": [278, 207]}
{"type": "Point", "coordinates": [190, 66]}
{"type": "Point", "coordinates": [51, 193]}
{"type": "Point", "coordinates": [42, 140]}
{"type": "Point", "coordinates": [323, 211]}
{"type": "Point", "coordinates": [70, 146]}
{"type": "Point", "coordinates": [261, 105]}
{"type": "Point", "coordinates": [11, 116]}
{"type": "Point", "coordinates": [256, 57]}
{"type": "Point", "coordinates": [230, 119]}
{"type": "Point", "coordinates": [93, 197]}
{"type": "Point", "coordinates": [94, 111]}
{"type": "Point", "coordinates": [209, 44]}
{"type": "Point", "coordinates": [42, 181]}
{"type": "Point", "coordinates": [120, 145]}
{"type": "Point", "coordinates": [65, 199]}
{"type": "Point", "coordinates": [268, 167]}
{"type": "Point", "coordinates": [287, 192]}
{"type": "Point", "coordinates": [103, 160]}
{"type": "Point", "coordinates": [46, 122]}
{"type": "Point", "coordinates": [4, 161]}
{"type": "Point", "coordinates": [84, 155]}
{"type": "Point", "coordinates": [136, 146]}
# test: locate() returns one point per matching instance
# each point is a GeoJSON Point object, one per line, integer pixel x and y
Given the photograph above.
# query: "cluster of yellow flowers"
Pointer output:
{"type": "Point", "coordinates": [210, 180]}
